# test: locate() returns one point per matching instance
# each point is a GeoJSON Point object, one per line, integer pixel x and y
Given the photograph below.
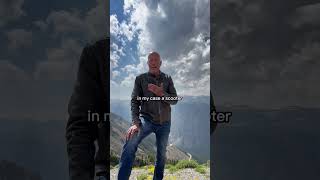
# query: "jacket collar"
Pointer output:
{"type": "Point", "coordinates": [152, 75]}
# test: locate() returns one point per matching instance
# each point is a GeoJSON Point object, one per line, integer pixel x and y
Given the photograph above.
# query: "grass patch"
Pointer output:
{"type": "Point", "coordinates": [142, 177]}
{"type": "Point", "coordinates": [183, 164]}
{"type": "Point", "coordinates": [187, 164]}
{"type": "Point", "coordinates": [150, 170]}
{"type": "Point", "coordinates": [114, 159]}
{"type": "Point", "coordinates": [200, 169]}
{"type": "Point", "coordinates": [171, 177]}
{"type": "Point", "coordinates": [173, 169]}
{"type": "Point", "coordinates": [168, 166]}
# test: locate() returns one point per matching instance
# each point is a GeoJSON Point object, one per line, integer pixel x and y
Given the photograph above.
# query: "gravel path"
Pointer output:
{"type": "Point", "coordinates": [184, 174]}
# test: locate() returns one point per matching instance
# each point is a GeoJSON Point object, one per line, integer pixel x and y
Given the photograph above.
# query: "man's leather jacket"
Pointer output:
{"type": "Point", "coordinates": [90, 95]}
{"type": "Point", "coordinates": [158, 111]}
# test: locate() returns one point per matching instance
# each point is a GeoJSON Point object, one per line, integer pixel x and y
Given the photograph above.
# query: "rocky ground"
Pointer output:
{"type": "Point", "coordinates": [183, 174]}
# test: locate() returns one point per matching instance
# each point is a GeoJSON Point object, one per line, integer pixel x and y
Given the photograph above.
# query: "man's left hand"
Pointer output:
{"type": "Point", "coordinates": [157, 90]}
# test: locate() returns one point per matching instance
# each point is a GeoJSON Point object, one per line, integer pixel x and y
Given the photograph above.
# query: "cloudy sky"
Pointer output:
{"type": "Point", "coordinates": [40, 46]}
{"type": "Point", "coordinates": [178, 30]}
{"type": "Point", "coordinates": [266, 53]}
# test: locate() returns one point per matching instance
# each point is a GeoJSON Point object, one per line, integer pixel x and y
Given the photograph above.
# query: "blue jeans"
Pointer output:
{"type": "Point", "coordinates": [130, 148]}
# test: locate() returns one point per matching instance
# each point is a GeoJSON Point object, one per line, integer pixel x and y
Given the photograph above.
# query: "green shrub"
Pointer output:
{"type": "Point", "coordinates": [144, 160]}
{"type": "Point", "coordinates": [168, 166]}
{"type": "Point", "coordinates": [200, 169]}
{"type": "Point", "coordinates": [173, 169]}
{"type": "Point", "coordinates": [172, 162]}
{"type": "Point", "coordinates": [186, 164]}
{"type": "Point", "coordinates": [114, 159]}
{"type": "Point", "coordinates": [151, 158]}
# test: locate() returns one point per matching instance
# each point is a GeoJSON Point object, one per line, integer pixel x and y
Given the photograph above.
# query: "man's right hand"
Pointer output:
{"type": "Point", "coordinates": [131, 131]}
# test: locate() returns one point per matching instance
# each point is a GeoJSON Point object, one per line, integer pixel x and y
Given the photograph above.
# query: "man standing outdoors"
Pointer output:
{"type": "Point", "coordinates": [156, 116]}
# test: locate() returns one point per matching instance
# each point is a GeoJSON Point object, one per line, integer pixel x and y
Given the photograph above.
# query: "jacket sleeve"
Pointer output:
{"type": "Point", "coordinates": [171, 93]}
{"type": "Point", "coordinates": [135, 104]}
{"type": "Point", "coordinates": [80, 129]}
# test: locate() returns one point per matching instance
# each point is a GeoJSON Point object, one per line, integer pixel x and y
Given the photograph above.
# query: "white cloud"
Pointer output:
{"type": "Point", "coordinates": [114, 25]}
{"type": "Point", "coordinates": [179, 31]}
{"type": "Point", "coordinates": [123, 32]}
{"type": "Point", "coordinates": [115, 74]}
{"type": "Point", "coordinates": [128, 81]}
{"type": "Point", "coordinates": [121, 29]}
{"type": "Point", "coordinates": [117, 49]}
{"type": "Point", "coordinates": [127, 30]}
{"type": "Point", "coordinates": [119, 91]}
{"type": "Point", "coordinates": [129, 69]}
{"type": "Point", "coordinates": [129, 5]}
{"type": "Point", "coordinates": [114, 58]}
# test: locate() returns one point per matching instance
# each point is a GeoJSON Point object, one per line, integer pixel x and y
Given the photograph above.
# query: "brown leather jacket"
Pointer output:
{"type": "Point", "coordinates": [158, 111]}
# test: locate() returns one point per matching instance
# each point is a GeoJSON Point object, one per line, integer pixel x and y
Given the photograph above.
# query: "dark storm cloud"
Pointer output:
{"type": "Point", "coordinates": [19, 38]}
{"type": "Point", "coordinates": [42, 92]}
{"type": "Point", "coordinates": [10, 10]}
{"type": "Point", "coordinates": [265, 53]}
{"type": "Point", "coordinates": [307, 15]}
{"type": "Point", "coordinates": [91, 25]}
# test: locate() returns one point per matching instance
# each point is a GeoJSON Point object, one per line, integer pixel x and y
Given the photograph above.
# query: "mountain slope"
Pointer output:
{"type": "Point", "coordinates": [189, 124]}
{"type": "Point", "coordinates": [119, 127]}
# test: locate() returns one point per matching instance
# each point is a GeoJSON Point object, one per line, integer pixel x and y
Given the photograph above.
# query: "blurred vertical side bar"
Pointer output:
{"type": "Point", "coordinates": [213, 124]}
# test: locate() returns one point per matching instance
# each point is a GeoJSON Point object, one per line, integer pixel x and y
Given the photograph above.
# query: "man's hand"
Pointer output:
{"type": "Point", "coordinates": [157, 90]}
{"type": "Point", "coordinates": [131, 131]}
